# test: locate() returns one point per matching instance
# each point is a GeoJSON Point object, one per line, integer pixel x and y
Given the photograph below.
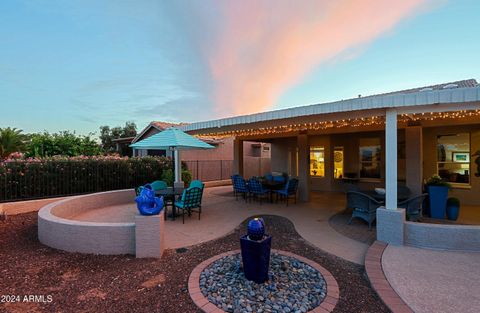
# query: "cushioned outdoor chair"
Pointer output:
{"type": "Point", "coordinates": [364, 207]}
{"type": "Point", "coordinates": [413, 207]}
{"type": "Point", "coordinates": [240, 186]}
{"type": "Point", "coordinates": [158, 185]}
{"type": "Point", "coordinates": [197, 183]}
{"type": "Point", "coordinates": [403, 192]}
{"type": "Point", "coordinates": [256, 189]}
{"type": "Point", "coordinates": [289, 190]}
{"type": "Point", "coordinates": [191, 199]}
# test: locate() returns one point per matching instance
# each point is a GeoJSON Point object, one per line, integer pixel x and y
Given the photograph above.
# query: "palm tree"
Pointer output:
{"type": "Point", "coordinates": [11, 140]}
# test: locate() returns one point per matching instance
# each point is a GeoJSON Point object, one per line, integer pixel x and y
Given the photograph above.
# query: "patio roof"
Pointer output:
{"type": "Point", "coordinates": [455, 93]}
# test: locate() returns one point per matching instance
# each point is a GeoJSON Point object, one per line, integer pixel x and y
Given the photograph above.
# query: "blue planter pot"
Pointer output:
{"type": "Point", "coordinates": [438, 196]}
{"type": "Point", "coordinates": [452, 212]}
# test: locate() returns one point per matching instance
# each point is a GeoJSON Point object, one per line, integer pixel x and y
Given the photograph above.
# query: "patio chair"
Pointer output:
{"type": "Point", "coordinates": [240, 186]}
{"type": "Point", "coordinates": [290, 189]}
{"type": "Point", "coordinates": [364, 207]}
{"type": "Point", "coordinates": [158, 185]}
{"type": "Point", "coordinates": [413, 207]}
{"type": "Point", "coordinates": [256, 189]}
{"type": "Point", "coordinates": [191, 199]}
{"type": "Point", "coordinates": [139, 189]}
{"type": "Point", "coordinates": [197, 183]}
{"type": "Point", "coordinates": [403, 192]}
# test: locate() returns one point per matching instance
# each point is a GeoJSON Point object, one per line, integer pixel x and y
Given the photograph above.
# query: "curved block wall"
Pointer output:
{"type": "Point", "coordinates": [447, 237]}
{"type": "Point", "coordinates": [56, 230]}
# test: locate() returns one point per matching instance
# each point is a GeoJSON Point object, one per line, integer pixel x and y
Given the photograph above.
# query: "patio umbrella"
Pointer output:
{"type": "Point", "coordinates": [172, 139]}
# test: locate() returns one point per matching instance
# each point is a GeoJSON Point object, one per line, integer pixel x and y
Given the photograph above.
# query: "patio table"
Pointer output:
{"type": "Point", "coordinates": [170, 194]}
{"type": "Point", "coordinates": [272, 186]}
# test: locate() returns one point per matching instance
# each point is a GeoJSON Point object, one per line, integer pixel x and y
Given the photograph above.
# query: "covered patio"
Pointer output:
{"type": "Point", "coordinates": [378, 141]}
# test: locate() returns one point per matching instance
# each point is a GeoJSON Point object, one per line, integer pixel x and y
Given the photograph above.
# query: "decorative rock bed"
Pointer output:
{"type": "Point", "coordinates": [295, 285]}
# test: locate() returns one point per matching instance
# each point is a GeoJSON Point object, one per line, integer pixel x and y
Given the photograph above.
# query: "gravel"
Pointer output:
{"type": "Point", "coordinates": [293, 286]}
{"type": "Point", "coordinates": [97, 283]}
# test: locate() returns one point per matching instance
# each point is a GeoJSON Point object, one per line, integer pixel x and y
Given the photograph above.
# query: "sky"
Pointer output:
{"type": "Point", "coordinates": [79, 64]}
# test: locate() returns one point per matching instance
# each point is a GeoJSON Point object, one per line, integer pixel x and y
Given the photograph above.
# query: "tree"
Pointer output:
{"type": "Point", "coordinates": [11, 140]}
{"type": "Point", "coordinates": [107, 135]}
{"type": "Point", "coordinates": [63, 143]}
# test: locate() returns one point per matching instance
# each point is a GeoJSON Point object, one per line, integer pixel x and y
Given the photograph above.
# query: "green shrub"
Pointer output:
{"type": "Point", "coordinates": [186, 177]}
{"type": "Point", "coordinates": [453, 202]}
{"type": "Point", "coordinates": [436, 180]}
{"type": "Point", "coordinates": [61, 176]}
{"type": "Point", "coordinates": [168, 177]}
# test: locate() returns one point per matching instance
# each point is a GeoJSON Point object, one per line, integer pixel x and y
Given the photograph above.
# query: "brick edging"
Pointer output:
{"type": "Point", "coordinates": [327, 305]}
{"type": "Point", "coordinates": [376, 276]}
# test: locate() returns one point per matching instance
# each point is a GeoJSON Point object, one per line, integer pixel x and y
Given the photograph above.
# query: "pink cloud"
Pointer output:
{"type": "Point", "coordinates": [262, 48]}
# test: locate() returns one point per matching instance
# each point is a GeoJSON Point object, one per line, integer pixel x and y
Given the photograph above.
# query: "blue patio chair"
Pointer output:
{"type": "Point", "coordinates": [289, 190]}
{"type": "Point", "coordinates": [413, 207]}
{"type": "Point", "coordinates": [279, 178]}
{"type": "Point", "coordinates": [158, 185]}
{"type": "Point", "coordinates": [256, 188]}
{"type": "Point", "coordinates": [191, 199]}
{"type": "Point", "coordinates": [240, 186]}
{"type": "Point", "coordinates": [364, 207]}
{"type": "Point", "coordinates": [139, 189]}
{"type": "Point", "coordinates": [197, 183]}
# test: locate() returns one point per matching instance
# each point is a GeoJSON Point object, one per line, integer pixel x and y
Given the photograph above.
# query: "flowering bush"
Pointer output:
{"type": "Point", "coordinates": [436, 180]}
{"type": "Point", "coordinates": [59, 176]}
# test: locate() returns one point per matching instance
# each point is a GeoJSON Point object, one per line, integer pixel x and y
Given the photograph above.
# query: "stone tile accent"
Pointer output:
{"type": "Point", "coordinates": [373, 267]}
{"type": "Point", "coordinates": [328, 304]}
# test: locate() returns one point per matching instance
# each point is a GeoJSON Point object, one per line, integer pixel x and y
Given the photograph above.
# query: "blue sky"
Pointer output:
{"type": "Point", "coordinates": [76, 65]}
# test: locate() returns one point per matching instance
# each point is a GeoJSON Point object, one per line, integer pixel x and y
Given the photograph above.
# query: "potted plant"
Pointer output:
{"type": "Point", "coordinates": [453, 208]}
{"type": "Point", "coordinates": [437, 190]}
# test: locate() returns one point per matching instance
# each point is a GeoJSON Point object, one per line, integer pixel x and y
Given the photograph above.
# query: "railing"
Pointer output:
{"type": "Point", "coordinates": [209, 170]}
{"type": "Point", "coordinates": [37, 180]}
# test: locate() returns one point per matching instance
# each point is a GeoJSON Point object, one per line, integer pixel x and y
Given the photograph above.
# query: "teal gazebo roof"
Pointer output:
{"type": "Point", "coordinates": [171, 139]}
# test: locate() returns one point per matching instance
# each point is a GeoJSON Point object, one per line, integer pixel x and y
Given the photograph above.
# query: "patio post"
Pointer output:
{"type": "Point", "coordinates": [390, 219]}
{"type": "Point", "coordinates": [303, 168]}
{"type": "Point", "coordinates": [238, 157]}
{"type": "Point", "coordinates": [391, 159]}
{"type": "Point", "coordinates": [414, 158]}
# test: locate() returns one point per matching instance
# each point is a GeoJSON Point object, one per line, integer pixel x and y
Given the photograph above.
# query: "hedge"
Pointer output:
{"type": "Point", "coordinates": [60, 176]}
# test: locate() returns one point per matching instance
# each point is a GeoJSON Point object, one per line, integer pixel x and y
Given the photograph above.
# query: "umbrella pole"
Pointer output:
{"type": "Point", "coordinates": [178, 168]}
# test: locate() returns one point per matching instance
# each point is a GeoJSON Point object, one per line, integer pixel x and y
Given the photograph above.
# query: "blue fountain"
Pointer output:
{"type": "Point", "coordinates": [147, 203]}
{"type": "Point", "coordinates": [255, 247]}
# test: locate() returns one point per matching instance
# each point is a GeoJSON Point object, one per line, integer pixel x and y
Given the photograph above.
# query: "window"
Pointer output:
{"type": "Point", "coordinates": [317, 161]}
{"type": "Point", "coordinates": [338, 162]}
{"type": "Point", "coordinates": [453, 158]}
{"type": "Point", "coordinates": [370, 156]}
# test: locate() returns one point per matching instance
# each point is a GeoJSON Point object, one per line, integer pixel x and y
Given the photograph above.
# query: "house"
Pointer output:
{"type": "Point", "coordinates": [326, 144]}
{"type": "Point", "coordinates": [381, 140]}
{"type": "Point", "coordinates": [212, 164]}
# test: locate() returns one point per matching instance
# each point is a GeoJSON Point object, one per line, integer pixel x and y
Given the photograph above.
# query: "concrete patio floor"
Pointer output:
{"type": "Point", "coordinates": [221, 213]}
{"type": "Point", "coordinates": [432, 280]}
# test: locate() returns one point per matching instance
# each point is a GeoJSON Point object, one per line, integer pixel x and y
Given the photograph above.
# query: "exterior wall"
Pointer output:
{"type": "Point", "coordinates": [469, 195]}
{"type": "Point", "coordinates": [283, 156]}
{"type": "Point", "coordinates": [351, 163]}
{"type": "Point", "coordinates": [56, 230]}
{"type": "Point", "coordinates": [222, 151]}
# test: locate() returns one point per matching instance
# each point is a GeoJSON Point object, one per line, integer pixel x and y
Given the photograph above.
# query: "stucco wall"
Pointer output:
{"type": "Point", "coordinates": [57, 230]}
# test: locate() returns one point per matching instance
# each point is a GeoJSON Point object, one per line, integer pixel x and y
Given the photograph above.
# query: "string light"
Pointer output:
{"type": "Point", "coordinates": [342, 123]}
